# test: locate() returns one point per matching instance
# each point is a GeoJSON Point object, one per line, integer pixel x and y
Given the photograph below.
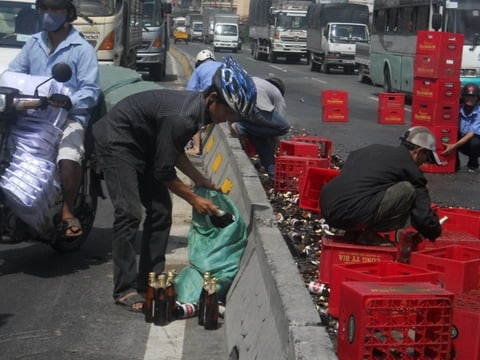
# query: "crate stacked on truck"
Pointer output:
{"type": "Point", "coordinates": [278, 30]}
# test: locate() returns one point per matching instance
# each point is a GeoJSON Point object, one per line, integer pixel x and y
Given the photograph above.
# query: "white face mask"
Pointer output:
{"type": "Point", "coordinates": [53, 22]}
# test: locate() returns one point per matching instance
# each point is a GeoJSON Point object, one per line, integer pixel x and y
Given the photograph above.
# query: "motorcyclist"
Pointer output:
{"type": "Point", "coordinates": [61, 42]}
{"type": "Point", "coordinates": [468, 140]}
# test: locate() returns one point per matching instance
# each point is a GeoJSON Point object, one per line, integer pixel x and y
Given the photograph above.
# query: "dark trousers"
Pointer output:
{"type": "Point", "coordinates": [472, 150]}
{"type": "Point", "coordinates": [129, 191]}
{"type": "Point", "coordinates": [395, 207]}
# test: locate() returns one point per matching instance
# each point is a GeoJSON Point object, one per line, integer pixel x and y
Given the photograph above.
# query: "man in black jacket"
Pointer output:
{"type": "Point", "coordinates": [382, 188]}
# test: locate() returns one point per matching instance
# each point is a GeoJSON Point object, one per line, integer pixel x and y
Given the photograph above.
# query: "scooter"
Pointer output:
{"type": "Point", "coordinates": [30, 132]}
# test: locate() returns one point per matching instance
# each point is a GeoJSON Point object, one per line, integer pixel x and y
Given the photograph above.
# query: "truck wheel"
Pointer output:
{"type": "Point", "coordinates": [325, 68]}
{"type": "Point", "coordinates": [361, 75]}
{"type": "Point", "coordinates": [272, 57]}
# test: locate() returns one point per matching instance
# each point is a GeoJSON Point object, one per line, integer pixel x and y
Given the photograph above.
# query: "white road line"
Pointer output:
{"type": "Point", "coordinates": [279, 68]}
{"type": "Point", "coordinates": [319, 80]}
{"type": "Point", "coordinates": [165, 342]}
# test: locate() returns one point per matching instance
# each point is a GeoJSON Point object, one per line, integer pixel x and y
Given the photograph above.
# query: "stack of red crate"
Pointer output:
{"type": "Point", "coordinates": [295, 156]}
{"type": "Point", "coordinates": [436, 89]}
{"type": "Point", "coordinates": [334, 106]}
{"type": "Point", "coordinates": [391, 108]}
{"type": "Point", "coordinates": [466, 325]}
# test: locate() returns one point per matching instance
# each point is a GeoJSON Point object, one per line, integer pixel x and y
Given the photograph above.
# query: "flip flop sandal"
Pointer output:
{"type": "Point", "coordinates": [126, 302]}
{"type": "Point", "coordinates": [73, 226]}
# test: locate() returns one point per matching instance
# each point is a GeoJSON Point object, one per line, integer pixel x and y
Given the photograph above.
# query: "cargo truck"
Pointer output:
{"type": "Point", "coordinates": [208, 20]}
{"type": "Point", "coordinates": [226, 32]}
{"type": "Point", "coordinates": [332, 31]}
{"type": "Point", "coordinates": [194, 26]}
{"type": "Point", "coordinates": [113, 27]}
{"type": "Point", "coordinates": [278, 30]}
{"type": "Point", "coordinates": [152, 55]}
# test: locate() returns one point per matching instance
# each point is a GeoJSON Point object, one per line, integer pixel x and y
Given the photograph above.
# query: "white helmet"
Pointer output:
{"type": "Point", "coordinates": [204, 55]}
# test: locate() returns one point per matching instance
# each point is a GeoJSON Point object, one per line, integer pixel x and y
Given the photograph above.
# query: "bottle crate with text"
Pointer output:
{"type": "Point", "coordinates": [437, 42]}
{"type": "Point", "coordinates": [436, 90]}
{"type": "Point", "coordinates": [429, 113]}
{"type": "Point", "coordinates": [437, 66]}
{"type": "Point", "coordinates": [466, 326]}
{"type": "Point", "coordinates": [335, 113]}
{"type": "Point", "coordinates": [335, 98]}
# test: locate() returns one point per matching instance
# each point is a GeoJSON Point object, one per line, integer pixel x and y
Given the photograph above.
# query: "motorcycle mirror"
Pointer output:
{"type": "Point", "coordinates": [61, 72]}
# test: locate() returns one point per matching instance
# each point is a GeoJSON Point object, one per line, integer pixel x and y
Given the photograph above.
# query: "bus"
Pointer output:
{"type": "Point", "coordinates": [393, 40]}
{"type": "Point", "coordinates": [113, 27]}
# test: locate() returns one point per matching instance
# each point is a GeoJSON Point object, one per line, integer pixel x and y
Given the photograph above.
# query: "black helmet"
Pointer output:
{"type": "Point", "coordinates": [470, 89]}
{"type": "Point", "coordinates": [278, 84]}
{"type": "Point", "coordinates": [59, 4]}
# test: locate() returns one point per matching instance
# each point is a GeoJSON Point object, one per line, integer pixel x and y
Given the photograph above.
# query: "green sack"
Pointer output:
{"type": "Point", "coordinates": [217, 250]}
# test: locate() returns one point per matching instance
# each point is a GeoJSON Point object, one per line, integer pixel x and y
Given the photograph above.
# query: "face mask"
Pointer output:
{"type": "Point", "coordinates": [53, 22]}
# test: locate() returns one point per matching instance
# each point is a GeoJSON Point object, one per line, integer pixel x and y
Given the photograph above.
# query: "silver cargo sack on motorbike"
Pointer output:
{"type": "Point", "coordinates": [31, 181]}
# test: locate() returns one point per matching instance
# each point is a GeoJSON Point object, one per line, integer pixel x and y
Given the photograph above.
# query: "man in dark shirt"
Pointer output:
{"type": "Point", "coordinates": [139, 143]}
{"type": "Point", "coordinates": [381, 188]}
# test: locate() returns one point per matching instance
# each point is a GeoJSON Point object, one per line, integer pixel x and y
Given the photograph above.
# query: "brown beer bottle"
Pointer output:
{"type": "Point", "coordinates": [201, 299]}
{"type": "Point", "coordinates": [149, 307]}
{"type": "Point", "coordinates": [171, 297]}
{"type": "Point", "coordinates": [211, 306]}
{"type": "Point", "coordinates": [161, 305]}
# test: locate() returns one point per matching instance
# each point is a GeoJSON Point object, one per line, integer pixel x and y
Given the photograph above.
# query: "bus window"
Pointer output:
{"type": "Point", "coordinates": [405, 20]}
{"type": "Point", "coordinates": [422, 17]}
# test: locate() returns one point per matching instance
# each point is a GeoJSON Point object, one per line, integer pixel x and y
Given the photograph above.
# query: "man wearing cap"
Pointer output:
{"type": "Point", "coordinates": [382, 188]}
{"type": "Point", "coordinates": [266, 122]}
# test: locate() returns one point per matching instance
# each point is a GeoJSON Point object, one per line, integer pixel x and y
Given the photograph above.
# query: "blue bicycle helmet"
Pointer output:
{"type": "Point", "coordinates": [235, 87]}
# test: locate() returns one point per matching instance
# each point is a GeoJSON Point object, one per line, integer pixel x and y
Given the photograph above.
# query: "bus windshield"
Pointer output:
{"type": "Point", "coordinates": [466, 22]}
{"type": "Point", "coordinates": [18, 21]}
{"type": "Point", "coordinates": [96, 8]}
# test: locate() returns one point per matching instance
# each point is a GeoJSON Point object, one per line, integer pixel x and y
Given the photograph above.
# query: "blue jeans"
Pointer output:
{"type": "Point", "coordinates": [129, 191]}
{"type": "Point", "coordinates": [262, 130]}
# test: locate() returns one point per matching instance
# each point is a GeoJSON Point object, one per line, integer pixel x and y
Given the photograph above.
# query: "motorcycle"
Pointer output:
{"type": "Point", "coordinates": [30, 132]}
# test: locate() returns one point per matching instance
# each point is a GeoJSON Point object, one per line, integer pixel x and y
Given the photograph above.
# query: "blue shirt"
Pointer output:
{"type": "Point", "coordinates": [202, 76]}
{"type": "Point", "coordinates": [35, 59]}
{"type": "Point", "coordinates": [471, 122]}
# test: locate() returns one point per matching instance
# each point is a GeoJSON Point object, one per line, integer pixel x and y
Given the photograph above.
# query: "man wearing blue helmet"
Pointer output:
{"type": "Point", "coordinates": [139, 144]}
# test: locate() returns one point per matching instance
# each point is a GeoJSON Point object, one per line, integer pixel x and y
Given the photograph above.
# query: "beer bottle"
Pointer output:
{"type": "Point", "coordinates": [149, 307]}
{"type": "Point", "coordinates": [211, 306]}
{"type": "Point", "coordinates": [201, 299]}
{"type": "Point", "coordinates": [161, 304]}
{"type": "Point", "coordinates": [171, 297]}
{"type": "Point", "coordinates": [186, 310]}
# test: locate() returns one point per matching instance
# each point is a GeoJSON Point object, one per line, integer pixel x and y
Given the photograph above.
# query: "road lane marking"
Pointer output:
{"type": "Point", "coordinates": [319, 80]}
{"type": "Point", "coordinates": [165, 342]}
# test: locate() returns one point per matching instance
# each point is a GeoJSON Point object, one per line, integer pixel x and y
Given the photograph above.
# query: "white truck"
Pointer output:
{"type": "Point", "coordinates": [208, 15]}
{"type": "Point", "coordinates": [362, 61]}
{"type": "Point", "coordinates": [333, 29]}
{"type": "Point", "coordinates": [278, 30]}
{"type": "Point", "coordinates": [195, 26]}
{"type": "Point", "coordinates": [226, 34]}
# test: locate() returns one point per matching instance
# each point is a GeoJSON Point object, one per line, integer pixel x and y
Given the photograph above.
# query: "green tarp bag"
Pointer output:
{"type": "Point", "coordinates": [213, 249]}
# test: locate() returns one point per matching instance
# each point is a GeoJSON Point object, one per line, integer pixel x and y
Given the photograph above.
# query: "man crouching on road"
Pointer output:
{"type": "Point", "coordinates": [382, 188]}
{"type": "Point", "coordinates": [139, 143]}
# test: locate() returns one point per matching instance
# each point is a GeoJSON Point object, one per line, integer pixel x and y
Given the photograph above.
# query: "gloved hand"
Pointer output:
{"type": "Point", "coordinates": [60, 101]}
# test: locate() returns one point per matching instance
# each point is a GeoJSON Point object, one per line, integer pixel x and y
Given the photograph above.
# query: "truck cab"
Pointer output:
{"type": "Point", "coordinates": [226, 33]}
{"type": "Point", "coordinates": [18, 21]}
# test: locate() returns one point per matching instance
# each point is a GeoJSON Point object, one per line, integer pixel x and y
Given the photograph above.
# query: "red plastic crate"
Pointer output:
{"type": "Point", "coordinates": [462, 220]}
{"type": "Point", "coordinates": [288, 170]}
{"type": "Point", "coordinates": [335, 114]}
{"type": "Point", "coordinates": [392, 116]}
{"type": "Point", "coordinates": [391, 100]}
{"type": "Point", "coordinates": [394, 321]}
{"type": "Point", "coordinates": [466, 326]}
{"type": "Point", "coordinates": [436, 42]}
{"type": "Point", "coordinates": [430, 113]}
{"type": "Point", "coordinates": [335, 252]}
{"type": "Point", "coordinates": [458, 266]}
{"type": "Point", "coordinates": [439, 90]}
{"type": "Point", "coordinates": [325, 146]}
{"type": "Point", "coordinates": [381, 271]}
{"type": "Point", "coordinates": [451, 238]}
{"type": "Point", "coordinates": [311, 186]}
{"type": "Point", "coordinates": [336, 98]}
{"type": "Point", "coordinates": [297, 148]}
{"type": "Point", "coordinates": [437, 66]}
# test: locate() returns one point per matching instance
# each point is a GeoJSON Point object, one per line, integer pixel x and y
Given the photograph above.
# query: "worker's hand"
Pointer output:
{"type": "Point", "coordinates": [448, 149]}
{"type": "Point", "coordinates": [204, 206]}
{"type": "Point", "coordinates": [207, 183]}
